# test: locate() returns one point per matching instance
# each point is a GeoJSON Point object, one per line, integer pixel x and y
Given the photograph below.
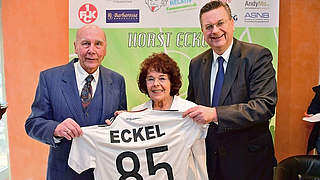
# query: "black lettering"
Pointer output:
{"type": "Point", "coordinates": [149, 132]}
{"type": "Point", "coordinates": [113, 136]}
{"type": "Point", "coordinates": [154, 167]}
{"type": "Point", "coordinates": [159, 134]}
{"type": "Point", "coordinates": [137, 134]}
{"type": "Point", "coordinates": [136, 166]}
{"type": "Point", "coordinates": [123, 136]}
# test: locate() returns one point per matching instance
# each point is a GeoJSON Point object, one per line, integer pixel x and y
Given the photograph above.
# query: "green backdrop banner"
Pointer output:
{"type": "Point", "coordinates": [137, 28]}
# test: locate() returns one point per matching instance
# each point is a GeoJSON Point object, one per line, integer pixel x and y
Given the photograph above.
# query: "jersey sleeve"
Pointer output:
{"type": "Point", "coordinates": [197, 158]}
{"type": "Point", "coordinates": [197, 161]}
{"type": "Point", "coordinates": [83, 151]}
{"type": "Point", "coordinates": [194, 131]}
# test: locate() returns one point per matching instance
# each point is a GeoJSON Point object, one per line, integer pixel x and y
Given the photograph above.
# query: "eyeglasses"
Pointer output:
{"type": "Point", "coordinates": [161, 79]}
{"type": "Point", "coordinates": [220, 24]}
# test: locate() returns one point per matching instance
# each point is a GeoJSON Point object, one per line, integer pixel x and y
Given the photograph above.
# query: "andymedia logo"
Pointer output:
{"type": "Point", "coordinates": [88, 13]}
{"type": "Point", "coordinates": [256, 5]}
{"type": "Point", "coordinates": [155, 5]}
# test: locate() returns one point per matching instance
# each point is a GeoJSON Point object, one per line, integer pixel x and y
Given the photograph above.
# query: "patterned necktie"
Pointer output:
{"type": "Point", "coordinates": [86, 93]}
{"type": "Point", "coordinates": [219, 82]}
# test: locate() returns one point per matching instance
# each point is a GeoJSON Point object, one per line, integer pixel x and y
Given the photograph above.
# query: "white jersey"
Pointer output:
{"type": "Point", "coordinates": [153, 145]}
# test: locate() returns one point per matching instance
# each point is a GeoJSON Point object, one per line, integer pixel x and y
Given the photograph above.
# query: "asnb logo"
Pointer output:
{"type": "Point", "coordinates": [155, 5]}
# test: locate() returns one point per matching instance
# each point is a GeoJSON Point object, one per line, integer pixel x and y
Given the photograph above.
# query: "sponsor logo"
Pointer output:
{"type": "Point", "coordinates": [181, 5]}
{"type": "Point", "coordinates": [258, 17]}
{"type": "Point", "coordinates": [122, 16]}
{"type": "Point", "coordinates": [171, 5]}
{"type": "Point", "coordinates": [154, 6]}
{"type": "Point", "coordinates": [256, 5]}
{"type": "Point", "coordinates": [88, 13]}
{"type": "Point", "coordinates": [133, 118]}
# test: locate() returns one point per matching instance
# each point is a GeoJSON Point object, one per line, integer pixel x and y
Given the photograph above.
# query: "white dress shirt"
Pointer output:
{"type": "Point", "coordinates": [81, 76]}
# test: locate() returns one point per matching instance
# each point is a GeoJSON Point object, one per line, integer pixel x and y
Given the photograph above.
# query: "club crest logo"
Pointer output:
{"type": "Point", "coordinates": [88, 13]}
{"type": "Point", "coordinates": [155, 5]}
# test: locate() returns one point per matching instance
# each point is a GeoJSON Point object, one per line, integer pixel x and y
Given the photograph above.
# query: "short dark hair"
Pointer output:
{"type": "Point", "coordinates": [160, 62]}
{"type": "Point", "coordinates": [214, 5]}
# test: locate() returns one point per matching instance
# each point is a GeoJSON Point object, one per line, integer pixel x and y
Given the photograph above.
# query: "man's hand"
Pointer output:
{"type": "Point", "coordinates": [109, 121]}
{"type": "Point", "coordinates": [202, 114]}
{"type": "Point", "coordinates": [68, 129]}
{"type": "Point", "coordinates": [307, 115]}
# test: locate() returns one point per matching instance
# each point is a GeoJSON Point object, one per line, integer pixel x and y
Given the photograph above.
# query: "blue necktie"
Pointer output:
{"type": "Point", "coordinates": [218, 83]}
{"type": "Point", "coordinates": [86, 93]}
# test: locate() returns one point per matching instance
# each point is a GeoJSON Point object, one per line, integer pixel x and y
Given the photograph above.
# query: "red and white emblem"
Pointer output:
{"type": "Point", "coordinates": [88, 13]}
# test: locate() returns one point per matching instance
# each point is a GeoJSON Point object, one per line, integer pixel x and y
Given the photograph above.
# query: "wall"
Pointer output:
{"type": "Point", "coordinates": [35, 35]}
{"type": "Point", "coordinates": [298, 72]}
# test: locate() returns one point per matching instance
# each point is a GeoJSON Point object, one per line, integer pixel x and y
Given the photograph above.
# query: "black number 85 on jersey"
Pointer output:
{"type": "Point", "coordinates": [152, 168]}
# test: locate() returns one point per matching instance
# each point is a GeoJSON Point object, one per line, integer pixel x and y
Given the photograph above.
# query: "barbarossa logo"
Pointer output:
{"type": "Point", "coordinates": [122, 16]}
{"type": "Point", "coordinates": [155, 5]}
{"type": "Point", "coordinates": [88, 13]}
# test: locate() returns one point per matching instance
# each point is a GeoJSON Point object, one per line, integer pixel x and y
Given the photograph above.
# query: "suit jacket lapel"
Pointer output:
{"type": "Point", "coordinates": [207, 64]}
{"type": "Point", "coordinates": [231, 72]}
{"type": "Point", "coordinates": [107, 92]}
{"type": "Point", "coordinates": [70, 91]}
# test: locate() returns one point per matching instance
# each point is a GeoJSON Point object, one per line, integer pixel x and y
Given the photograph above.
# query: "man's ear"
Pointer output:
{"type": "Point", "coordinates": [75, 47]}
{"type": "Point", "coordinates": [232, 23]}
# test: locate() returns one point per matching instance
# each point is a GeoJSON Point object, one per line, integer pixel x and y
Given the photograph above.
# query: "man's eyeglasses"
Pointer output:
{"type": "Point", "coordinates": [220, 24]}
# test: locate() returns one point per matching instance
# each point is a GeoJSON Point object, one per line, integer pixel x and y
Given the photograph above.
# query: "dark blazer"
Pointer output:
{"type": "Point", "coordinates": [314, 108]}
{"type": "Point", "coordinates": [240, 146]}
{"type": "Point", "coordinates": [57, 98]}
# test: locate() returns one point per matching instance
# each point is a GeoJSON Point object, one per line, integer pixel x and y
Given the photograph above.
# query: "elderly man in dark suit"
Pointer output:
{"type": "Point", "coordinates": [234, 84]}
{"type": "Point", "coordinates": [80, 93]}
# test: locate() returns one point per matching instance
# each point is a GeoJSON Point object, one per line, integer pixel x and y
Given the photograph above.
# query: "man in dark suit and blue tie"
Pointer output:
{"type": "Point", "coordinates": [80, 93]}
{"type": "Point", "coordinates": [239, 143]}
